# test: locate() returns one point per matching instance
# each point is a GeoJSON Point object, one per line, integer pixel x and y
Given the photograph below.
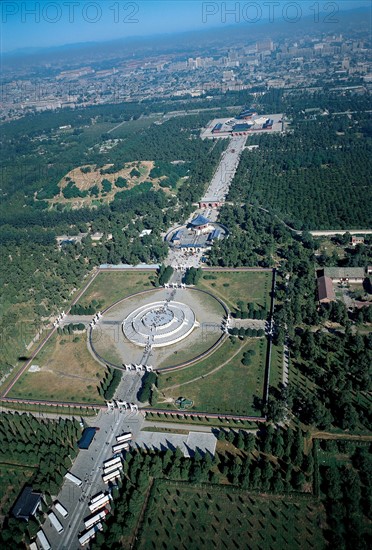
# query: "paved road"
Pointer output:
{"type": "Point", "coordinates": [88, 467]}
{"type": "Point", "coordinates": [340, 232]}
{"type": "Point", "coordinates": [225, 172]}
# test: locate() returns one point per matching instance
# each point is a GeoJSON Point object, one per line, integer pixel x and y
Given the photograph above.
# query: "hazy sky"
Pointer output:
{"type": "Point", "coordinates": [46, 23]}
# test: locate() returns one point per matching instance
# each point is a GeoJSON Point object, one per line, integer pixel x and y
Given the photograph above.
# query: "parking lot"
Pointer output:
{"type": "Point", "coordinates": [88, 467]}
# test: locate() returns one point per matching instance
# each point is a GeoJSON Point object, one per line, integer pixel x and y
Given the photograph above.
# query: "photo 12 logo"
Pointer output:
{"type": "Point", "coordinates": [69, 12]}
{"type": "Point", "coordinates": [271, 11]}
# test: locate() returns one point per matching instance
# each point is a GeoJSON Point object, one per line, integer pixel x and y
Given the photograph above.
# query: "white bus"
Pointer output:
{"type": "Point", "coordinates": [96, 497]}
{"type": "Point", "coordinates": [112, 461]}
{"type": "Point", "coordinates": [112, 468]}
{"type": "Point", "coordinates": [112, 475]}
{"type": "Point", "coordinates": [60, 509]}
{"type": "Point", "coordinates": [120, 447]}
{"type": "Point", "coordinates": [43, 541]}
{"type": "Point", "coordinates": [89, 535]}
{"type": "Point", "coordinates": [101, 503]}
{"type": "Point", "coordinates": [74, 479]}
{"type": "Point", "coordinates": [55, 522]}
{"type": "Point", "coordinates": [92, 520]}
{"type": "Point", "coordinates": [124, 437]}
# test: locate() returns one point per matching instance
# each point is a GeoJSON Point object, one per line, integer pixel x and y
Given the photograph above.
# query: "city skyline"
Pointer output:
{"type": "Point", "coordinates": [39, 25]}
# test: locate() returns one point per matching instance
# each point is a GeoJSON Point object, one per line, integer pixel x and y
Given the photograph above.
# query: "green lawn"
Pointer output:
{"type": "Point", "coordinates": [230, 390]}
{"type": "Point", "coordinates": [108, 287]}
{"type": "Point", "coordinates": [232, 286]}
{"type": "Point", "coordinates": [181, 515]}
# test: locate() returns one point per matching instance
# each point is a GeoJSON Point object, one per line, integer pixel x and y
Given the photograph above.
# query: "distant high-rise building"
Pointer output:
{"type": "Point", "coordinates": [265, 45]}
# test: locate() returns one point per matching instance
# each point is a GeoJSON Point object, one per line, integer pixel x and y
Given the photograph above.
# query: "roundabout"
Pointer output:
{"type": "Point", "coordinates": [158, 327]}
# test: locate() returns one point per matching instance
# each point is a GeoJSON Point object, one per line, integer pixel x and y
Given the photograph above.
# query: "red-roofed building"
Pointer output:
{"type": "Point", "coordinates": [326, 293]}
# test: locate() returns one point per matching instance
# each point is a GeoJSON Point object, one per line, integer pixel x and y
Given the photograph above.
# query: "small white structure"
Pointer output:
{"type": "Point", "coordinates": [110, 405]}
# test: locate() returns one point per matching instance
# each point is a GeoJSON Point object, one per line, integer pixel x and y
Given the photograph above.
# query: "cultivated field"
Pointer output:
{"type": "Point", "coordinates": [180, 515]}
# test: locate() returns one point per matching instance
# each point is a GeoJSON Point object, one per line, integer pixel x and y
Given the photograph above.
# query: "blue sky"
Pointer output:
{"type": "Point", "coordinates": [46, 23]}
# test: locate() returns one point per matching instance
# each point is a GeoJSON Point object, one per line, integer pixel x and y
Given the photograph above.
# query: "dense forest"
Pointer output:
{"type": "Point", "coordinates": [317, 176]}
{"type": "Point", "coordinates": [46, 446]}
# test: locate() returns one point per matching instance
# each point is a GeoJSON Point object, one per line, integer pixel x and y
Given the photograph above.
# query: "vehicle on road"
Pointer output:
{"type": "Point", "coordinates": [60, 509]}
{"type": "Point", "coordinates": [43, 541]}
{"type": "Point", "coordinates": [90, 534]}
{"type": "Point", "coordinates": [124, 437]}
{"type": "Point", "coordinates": [55, 522]}
{"type": "Point", "coordinates": [112, 461]}
{"type": "Point", "coordinates": [96, 518]}
{"type": "Point", "coordinates": [112, 475]}
{"type": "Point", "coordinates": [120, 447]}
{"type": "Point", "coordinates": [112, 468]}
{"type": "Point", "coordinates": [73, 479]}
{"type": "Point", "coordinates": [100, 503]}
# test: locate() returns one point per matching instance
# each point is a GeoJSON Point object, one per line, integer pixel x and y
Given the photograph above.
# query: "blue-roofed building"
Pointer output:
{"type": "Point", "coordinates": [176, 237]}
{"type": "Point", "coordinates": [216, 234]}
{"type": "Point", "coordinates": [200, 222]}
{"type": "Point", "coordinates": [243, 127]}
{"type": "Point", "coordinates": [27, 504]}
{"type": "Point", "coordinates": [86, 438]}
{"type": "Point", "coordinates": [217, 128]}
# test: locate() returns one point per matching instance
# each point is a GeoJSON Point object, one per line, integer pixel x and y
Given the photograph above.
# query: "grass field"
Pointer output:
{"type": "Point", "coordinates": [108, 287]}
{"type": "Point", "coordinates": [12, 479]}
{"type": "Point", "coordinates": [230, 286]}
{"type": "Point", "coordinates": [220, 383]}
{"type": "Point", "coordinates": [181, 515]}
{"type": "Point", "coordinates": [66, 372]}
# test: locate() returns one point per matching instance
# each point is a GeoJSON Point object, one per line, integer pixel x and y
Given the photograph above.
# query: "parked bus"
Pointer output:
{"type": "Point", "coordinates": [124, 437]}
{"type": "Point", "coordinates": [96, 497]}
{"type": "Point", "coordinates": [96, 518]}
{"type": "Point", "coordinates": [55, 522]}
{"type": "Point", "coordinates": [112, 475]}
{"type": "Point", "coordinates": [43, 541]}
{"type": "Point", "coordinates": [120, 447]}
{"type": "Point", "coordinates": [112, 461]}
{"type": "Point", "coordinates": [98, 504]}
{"type": "Point", "coordinates": [60, 509]}
{"type": "Point", "coordinates": [90, 534]}
{"type": "Point", "coordinates": [112, 468]}
{"type": "Point", "coordinates": [74, 479]}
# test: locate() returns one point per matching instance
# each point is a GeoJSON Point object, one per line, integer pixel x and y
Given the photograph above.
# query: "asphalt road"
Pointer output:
{"type": "Point", "coordinates": [88, 467]}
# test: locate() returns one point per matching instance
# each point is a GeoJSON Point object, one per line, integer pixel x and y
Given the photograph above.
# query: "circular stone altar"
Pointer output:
{"type": "Point", "coordinates": [159, 324]}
